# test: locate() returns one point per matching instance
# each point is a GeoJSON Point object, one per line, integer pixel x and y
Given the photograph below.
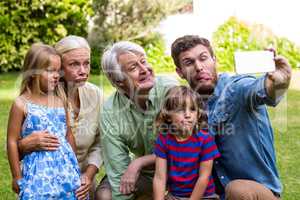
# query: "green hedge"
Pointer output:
{"type": "Point", "coordinates": [231, 36]}
{"type": "Point", "coordinates": [25, 22]}
{"type": "Point", "coordinates": [236, 35]}
{"type": "Point", "coordinates": [156, 53]}
{"type": "Point", "coordinates": [130, 20]}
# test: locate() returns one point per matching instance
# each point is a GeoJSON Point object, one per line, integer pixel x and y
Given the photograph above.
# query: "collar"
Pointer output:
{"type": "Point", "coordinates": [222, 81]}
{"type": "Point", "coordinates": [150, 101]}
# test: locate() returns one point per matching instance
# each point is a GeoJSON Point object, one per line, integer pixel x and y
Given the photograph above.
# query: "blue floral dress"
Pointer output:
{"type": "Point", "coordinates": [48, 174]}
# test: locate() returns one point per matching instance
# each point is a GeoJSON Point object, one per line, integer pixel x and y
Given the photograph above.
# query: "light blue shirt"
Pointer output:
{"type": "Point", "coordinates": [237, 115]}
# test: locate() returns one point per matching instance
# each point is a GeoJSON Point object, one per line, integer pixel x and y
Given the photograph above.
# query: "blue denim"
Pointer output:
{"type": "Point", "coordinates": [238, 118]}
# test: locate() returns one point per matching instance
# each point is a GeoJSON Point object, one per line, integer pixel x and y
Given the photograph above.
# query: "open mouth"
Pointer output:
{"type": "Point", "coordinates": [145, 79]}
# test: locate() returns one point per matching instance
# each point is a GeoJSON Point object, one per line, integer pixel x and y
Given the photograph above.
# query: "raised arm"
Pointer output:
{"type": "Point", "coordinates": [268, 89]}
{"type": "Point", "coordinates": [16, 118]}
{"type": "Point", "coordinates": [160, 178]}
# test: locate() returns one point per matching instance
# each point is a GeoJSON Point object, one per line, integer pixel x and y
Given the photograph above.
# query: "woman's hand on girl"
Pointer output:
{"type": "Point", "coordinates": [39, 141]}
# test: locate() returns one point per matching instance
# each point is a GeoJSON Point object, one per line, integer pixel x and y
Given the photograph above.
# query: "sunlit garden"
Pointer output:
{"type": "Point", "coordinates": [23, 23]}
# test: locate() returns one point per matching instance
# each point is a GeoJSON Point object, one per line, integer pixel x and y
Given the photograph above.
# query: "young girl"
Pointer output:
{"type": "Point", "coordinates": [40, 108]}
{"type": "Point", "coordinates": [184, 153]}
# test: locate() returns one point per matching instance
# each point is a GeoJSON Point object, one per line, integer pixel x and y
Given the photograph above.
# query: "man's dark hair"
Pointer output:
{"type": "Point", "coordinates": [188, 42]}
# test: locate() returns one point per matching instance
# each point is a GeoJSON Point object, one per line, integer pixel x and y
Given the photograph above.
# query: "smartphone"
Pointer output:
{"type": "Point", "coordinates": [252, 62]}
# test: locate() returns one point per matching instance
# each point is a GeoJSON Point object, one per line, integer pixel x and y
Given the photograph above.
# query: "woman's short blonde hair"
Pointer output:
{"type": "Point", "coordinates": [71, 42]}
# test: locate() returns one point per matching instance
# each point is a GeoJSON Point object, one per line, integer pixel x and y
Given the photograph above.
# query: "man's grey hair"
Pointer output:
{"type": "Point", "coordinates": [71, 42]}
{"type": "Point", "coordinates": [110, 64]}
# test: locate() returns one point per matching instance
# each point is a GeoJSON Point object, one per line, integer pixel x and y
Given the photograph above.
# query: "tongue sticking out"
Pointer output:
{"type": "Point", "coordinates": [204, 77]}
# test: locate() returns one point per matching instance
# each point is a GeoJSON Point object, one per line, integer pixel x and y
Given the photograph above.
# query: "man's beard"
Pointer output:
{"type": "Point", "coordinates": [204, 89]}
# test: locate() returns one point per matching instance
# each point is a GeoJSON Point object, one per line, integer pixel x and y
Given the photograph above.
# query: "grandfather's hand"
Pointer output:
{"type": "Point", "coordinates": [83, 191]}
{"type": "Point", "coordinates": [130, 177]}
{"type": "Point", "coordinates": [39, 141]}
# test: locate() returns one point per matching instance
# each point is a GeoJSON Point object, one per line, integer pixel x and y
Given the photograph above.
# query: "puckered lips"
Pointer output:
{"type": "Point", "coordinates": [81, 79]}
{"type": "Point", "coordinates": [187, 122]}
{"type": "Point", "coordinates": [53, 83]}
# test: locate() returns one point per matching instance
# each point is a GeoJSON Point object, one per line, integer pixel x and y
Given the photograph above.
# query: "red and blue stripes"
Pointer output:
{"type": "Point", "coordinates": [184, 158]}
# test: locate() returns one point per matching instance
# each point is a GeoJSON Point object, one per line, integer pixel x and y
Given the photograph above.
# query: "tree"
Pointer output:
{"type": "Point", "coordinates": [117, 20]}
{"type": "Point", "coordinates": [25, 22]}
{"type": "Point", "coordinates": [236, 35]}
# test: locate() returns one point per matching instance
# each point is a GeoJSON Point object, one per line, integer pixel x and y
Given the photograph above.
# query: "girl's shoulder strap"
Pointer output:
{"type": "Point", "coordinates": [22, 102]}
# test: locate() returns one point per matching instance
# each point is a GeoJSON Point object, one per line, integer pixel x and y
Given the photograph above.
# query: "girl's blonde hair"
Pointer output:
{"type": "Point", "coordinates": [36, 61]}
{"type": "Point", "coordinates": [176, 99]}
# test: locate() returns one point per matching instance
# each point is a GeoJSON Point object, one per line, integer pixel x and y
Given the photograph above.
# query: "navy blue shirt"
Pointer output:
{"type": "Point", "coordinates": [238, 117]}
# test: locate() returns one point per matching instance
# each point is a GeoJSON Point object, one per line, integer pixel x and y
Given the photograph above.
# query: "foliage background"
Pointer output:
{"type": "Point", "coordinates": [28, 21]}
{"type": "Point", "coordinates": [106, 21]}
{"type": "Point", "coordinates": [23, 22]}
{"type": "Point", "coordinates": [103, 22]}
{"type": "Point", "coordinates": [116, 20]}
{"type": "Point", "coordinates": [236, 35]}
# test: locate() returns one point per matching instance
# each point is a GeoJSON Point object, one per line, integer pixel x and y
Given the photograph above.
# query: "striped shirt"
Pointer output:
{"type": "Point", "coordinates": [183, 161]}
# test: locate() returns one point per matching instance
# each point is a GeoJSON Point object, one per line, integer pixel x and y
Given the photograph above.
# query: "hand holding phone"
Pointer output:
{"type": "Point", "coordinates": [251, 62]}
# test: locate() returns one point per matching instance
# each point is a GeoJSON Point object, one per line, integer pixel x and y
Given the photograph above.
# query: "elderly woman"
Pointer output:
{"type": "Point", "coordinates": [83, 103]}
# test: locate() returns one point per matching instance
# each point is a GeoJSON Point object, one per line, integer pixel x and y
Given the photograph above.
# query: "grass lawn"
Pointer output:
{"type": "Point", "coordinates": [284, 117]}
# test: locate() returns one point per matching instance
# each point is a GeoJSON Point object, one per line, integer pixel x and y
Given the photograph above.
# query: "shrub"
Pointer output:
{"type": "Point", "coordinates": [133, 20]}
{"type": "Point", "coordinates": [289, 50]}
{"type": "Point", "coordinates": [25, 22]}
{"type": "Point", "coordinates": [236, 35]}
{"type": "Point", "coordinates": [156, 53]}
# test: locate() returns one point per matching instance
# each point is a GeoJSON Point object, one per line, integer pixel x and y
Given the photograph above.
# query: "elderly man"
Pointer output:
{"type": "Point", "coordinates": [127, 122]}
{"type": "Point", "coordinates": [237, 115]}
